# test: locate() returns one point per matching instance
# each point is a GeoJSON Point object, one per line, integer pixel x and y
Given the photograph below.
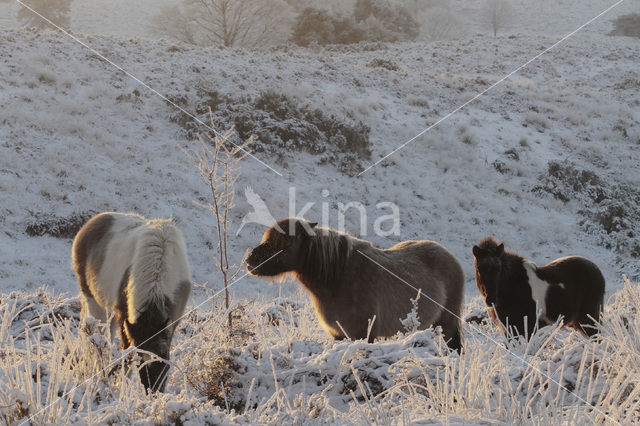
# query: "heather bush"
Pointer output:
{"type": "Point", "coordinates": [282, 126]}
{"type": "Point", "coordinates": [370, 20]}
{"type": "Point", "coordinates": [611, 210]}
{"type": "Point", "coordinates": [320, 27]}
{"type": "Point", "coordinates": [386, 22]}
{"type": "Point", "coordinates": [58, 227]}
{"type": "Point", "coordinates": [627, 25]}
{"type": "Point", "coordinates": [387, 64]}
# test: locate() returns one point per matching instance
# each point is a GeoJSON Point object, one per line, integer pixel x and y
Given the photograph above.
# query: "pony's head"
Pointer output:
{"type": "Point", "coordinates": [281, 249]}
{"type": "Point", "coordinates": [488, 259]}
{"type": "Point", "coordinates": [152, 332]}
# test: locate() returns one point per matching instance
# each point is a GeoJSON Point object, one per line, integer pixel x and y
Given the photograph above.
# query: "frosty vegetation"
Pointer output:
{"type": "Point", "coordinates": [612, 208]}
{"type": "Point", "coordinates": [550, 155]}
{"type": "Point", "coordinates": [281, 125]}
{"type": "Point", "coordinates": [627, 25]}
{"type": "Point", "coordinates": [217, 161]}
{"type": "Point", "coordinates": [56, 226]}
{"type": "Point", "coordinates": [279, 367]}
{"type": "Point", "coordinates": [255, 23]}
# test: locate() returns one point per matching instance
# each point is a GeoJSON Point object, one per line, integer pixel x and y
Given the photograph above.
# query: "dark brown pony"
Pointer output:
{"type": "Point", "coordinates": [523, 296]}
{"type": "Point", "coordinates": [351, 282]}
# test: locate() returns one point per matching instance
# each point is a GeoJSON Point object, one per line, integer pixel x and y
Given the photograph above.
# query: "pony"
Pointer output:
{"type": "Point", "coordinates": [134, 273]}
{"type": "Point", "coordinates": [521, 296]}
{"type": "Point", "coordinates": [359, 291]}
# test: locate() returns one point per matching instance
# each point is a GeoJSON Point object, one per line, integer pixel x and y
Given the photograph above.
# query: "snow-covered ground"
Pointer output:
{"type": "Point", "coordinates": [279, 368]}
{"type": "Point", "coordinates": [546, 161]}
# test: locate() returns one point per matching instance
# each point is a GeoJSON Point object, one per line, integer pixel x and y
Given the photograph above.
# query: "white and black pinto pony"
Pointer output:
{"type": "Point", "coordinates": [134, 273]}
{"type": "Point", "coordinates": [351, 282]}
{"type": "Point", "coordinates": [523, 296]}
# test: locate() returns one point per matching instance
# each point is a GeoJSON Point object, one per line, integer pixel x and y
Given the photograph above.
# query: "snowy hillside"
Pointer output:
{"type": "Point", "coordinates": [546, 161]}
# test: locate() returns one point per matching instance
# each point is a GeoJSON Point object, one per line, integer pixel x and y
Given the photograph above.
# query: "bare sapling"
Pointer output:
{"type": "Point", "coordinates": [217, 161]}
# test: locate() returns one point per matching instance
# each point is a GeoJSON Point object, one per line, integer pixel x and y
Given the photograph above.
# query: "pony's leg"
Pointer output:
{"type": "Point", "coordinates": [91, 308]}
{"type": "Point", "coordinates": [586, 323]}
{"type": "Point", "coordinates": [454, 339]}
{"type": "Point", "coordinates": [560, 302]}
{"type": "Point", "coordinates": [450, 330]}
{"type": "Point", "coordinates": [450, 322]}
{"type": "Point", "coordinates": [115, 329]}
{"type": "Point", "coordinates": [521, 325]}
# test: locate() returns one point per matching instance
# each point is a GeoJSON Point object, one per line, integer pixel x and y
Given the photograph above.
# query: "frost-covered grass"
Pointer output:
{"type": "Point", "coordinates": [279, 367]}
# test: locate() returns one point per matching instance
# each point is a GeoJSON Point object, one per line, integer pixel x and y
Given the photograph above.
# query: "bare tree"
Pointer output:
{"type": "Point", "coordinates": [226, 22]}
{"type": "Point", "coordinates": [57, 11]}
{"type": "Point", "coordinates": [497, 13]}
{"type": "Point", "coordinates": [217, 161]}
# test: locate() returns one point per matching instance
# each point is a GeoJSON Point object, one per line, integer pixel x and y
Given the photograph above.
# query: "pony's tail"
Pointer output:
{"type": "Point", "coordinates": [148, 284]}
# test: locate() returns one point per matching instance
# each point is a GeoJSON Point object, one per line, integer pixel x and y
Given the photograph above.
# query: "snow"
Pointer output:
{"type": "Point", "coordinates": [77, 136]}
{"type": "Point", "coordinates": [289, 371]}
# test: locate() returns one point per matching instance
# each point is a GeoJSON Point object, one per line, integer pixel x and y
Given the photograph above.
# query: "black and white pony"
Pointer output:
{"type": "Point", "coordinates": [521, 295]}
{"type": "Point", "coordinates": [351, 282]}
{"type": "Point", "coordinates": [134, 273]}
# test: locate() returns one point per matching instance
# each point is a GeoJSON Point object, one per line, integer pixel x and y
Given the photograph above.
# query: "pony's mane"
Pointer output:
{"type": "Point", "coordinates": [148, 283]}
{"type": "Point", "coordinates": [327, 254]}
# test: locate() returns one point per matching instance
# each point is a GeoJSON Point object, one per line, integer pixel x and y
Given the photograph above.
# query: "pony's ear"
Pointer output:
{"type": "Point", "coordinates": [476, 251]}
{"type": "Point", "coordinates": [500, 249]}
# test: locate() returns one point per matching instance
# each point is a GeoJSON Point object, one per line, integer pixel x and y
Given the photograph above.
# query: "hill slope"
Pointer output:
{"type": "Point", "coordinates": [546, 161]}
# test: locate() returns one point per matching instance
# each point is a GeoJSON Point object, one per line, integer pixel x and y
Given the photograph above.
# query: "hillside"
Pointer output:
{"type": "Point", "coordinates": [545, 161]}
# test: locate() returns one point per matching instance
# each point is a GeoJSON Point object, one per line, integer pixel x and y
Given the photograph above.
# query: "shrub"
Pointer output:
{"type": "Point", "coordinates": [282, 126]}
{"type": "Point", "coordinates": [318, 26]}
{"type": "Point", "coordinates": [371, 20]}
{"type": "Point", "coordinates": [627, 25]}
{"type": "Point", "coordinates": [418, 101]}
{"type": "Point", "coordinates": [610, 210]}
{"type": "Point", "coordinates": [612, 218]}
{"type": "Point", "coordinates": [387, 64]}
{"type": "Point", "coordinates": [397, 22]}
{"type": "Point", "coordinates": [586, 182]}
{"type": "Point", "coordinates": [214, 376]}
{"type": "Point", "coordinates": [501, 167]}
{"type": "Point", "coordinates": [539, 121]}
{"type": "Point", "coordinates": [58, 227]}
